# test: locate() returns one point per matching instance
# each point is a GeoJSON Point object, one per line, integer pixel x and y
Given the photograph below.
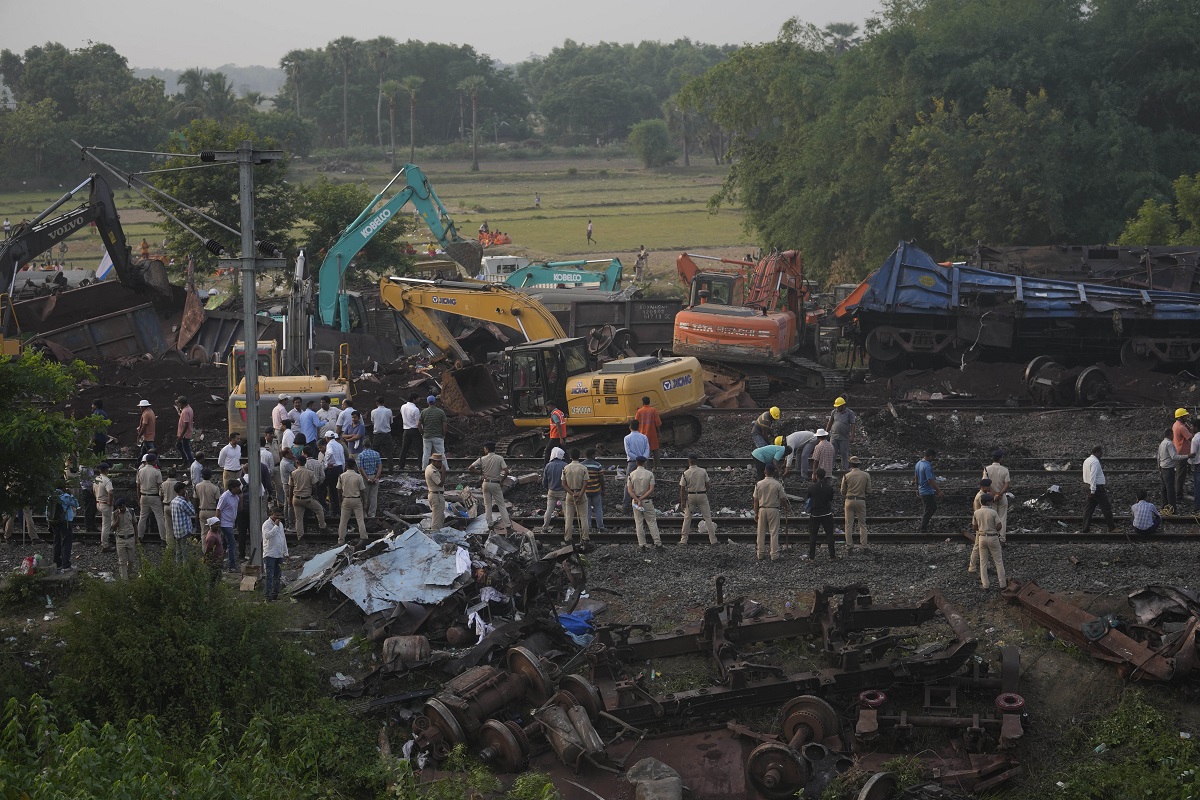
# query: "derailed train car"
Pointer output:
{"type": "Point", "coordinates": [913, 311]}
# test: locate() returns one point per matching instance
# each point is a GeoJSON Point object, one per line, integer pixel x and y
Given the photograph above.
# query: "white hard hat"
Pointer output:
{"type": "Point", "coordinates": [822, 432]}
{"type": "Point", "coordinates": [212, 521]}
{"type": "Point", "coordinates": [143, 403]}
{"type": "Point", "coordinates": [285, 397]}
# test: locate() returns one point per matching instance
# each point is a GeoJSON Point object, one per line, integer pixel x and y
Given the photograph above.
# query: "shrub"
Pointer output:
{"type": "Point", "coordinates": [650, 141]}
{"type": "Point", "coordinates": [173, 646]}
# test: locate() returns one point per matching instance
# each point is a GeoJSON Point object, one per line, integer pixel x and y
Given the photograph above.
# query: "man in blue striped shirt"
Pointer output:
{"type": "Point", "coordinates": [370, 466]}
{"type": "Point", "coordinates": [183, 522]}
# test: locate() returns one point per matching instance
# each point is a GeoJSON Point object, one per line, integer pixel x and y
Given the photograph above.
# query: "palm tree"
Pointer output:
{"type": "Point", "coordinates": [252, 99]}
{"type": "Point", "coordinates": [390, 89]}
{"type": "Point", "coordinates": [290, 63]}
{"type": "Point", "coordinates": [412, 84]}
{"type": "Point", "coordinates": [840, 36]}
{"type": "Point", "coordinates": [380, 50]}
{"type": "Point", "coordinates": [189, 100]}
{"type": "Point", "coordinates": [471, 86]}
{"type": "Point", "coordinates": [219, 102]}
{"type": "Point", "coordinates": [343, 50]}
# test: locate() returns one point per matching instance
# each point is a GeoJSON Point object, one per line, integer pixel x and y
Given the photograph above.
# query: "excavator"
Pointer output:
{"type": "Point", "coordinates": [565, 275]}
{"type": "Point", "coordinates": [31, 239]}
{"type": "Point", "coordinates": [752, 319]}
{"type": "Point", "coordinates": [549, 368]}
{"type": "Point", "coordinates": [333, 303]}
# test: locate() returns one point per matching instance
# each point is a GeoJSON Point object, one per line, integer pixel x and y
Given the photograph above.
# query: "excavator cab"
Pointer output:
{"type": "Point", "coordinates": [716, 288]}
{"type": "Point", "coordinates": [538, 373]}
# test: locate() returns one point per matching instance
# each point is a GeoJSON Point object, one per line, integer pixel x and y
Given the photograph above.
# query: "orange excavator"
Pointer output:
{"type": "Point", "coordinates": [751, 317]}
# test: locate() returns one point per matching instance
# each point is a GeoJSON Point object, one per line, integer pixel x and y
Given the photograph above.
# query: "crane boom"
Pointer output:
{"type": "Point", "coordinates": [331, 303]}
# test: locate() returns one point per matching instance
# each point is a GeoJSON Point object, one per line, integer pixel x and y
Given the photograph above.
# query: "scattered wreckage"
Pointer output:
{"type": "Point", "coordinates": [1161, 646]}
{"type": "Point", "coordinates": [531, 678]}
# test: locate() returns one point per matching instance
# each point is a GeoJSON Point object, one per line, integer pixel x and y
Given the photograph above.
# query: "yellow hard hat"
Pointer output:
{"type": "Point", "coordinates": [778, 440]}
{"type": "Point", "coordinates": [1179, 412]}
{"type": "Point", "coordinates": [775, 412]}
{"type": "Point", "coordinates": [841, 401]}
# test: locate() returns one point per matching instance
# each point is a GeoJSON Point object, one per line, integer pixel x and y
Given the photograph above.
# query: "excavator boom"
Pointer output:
{"type": "Point", "coordinates": [569, 274]}
{"type": "Point", "coordinates": [331, 303]}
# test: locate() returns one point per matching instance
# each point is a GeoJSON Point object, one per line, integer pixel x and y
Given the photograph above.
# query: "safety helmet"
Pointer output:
{"type": "Point", "coordinates": [1179, 412]}
{"type": "Point", "coordinates": [775, 412]}
{"type": "Point", "coordinates": [778, 440]}
{"type": "Point", "coordinates": [841, 401]}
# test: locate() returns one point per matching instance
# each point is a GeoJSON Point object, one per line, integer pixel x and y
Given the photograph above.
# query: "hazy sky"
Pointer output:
{"type": "Point", "coordinates": [162, 33]}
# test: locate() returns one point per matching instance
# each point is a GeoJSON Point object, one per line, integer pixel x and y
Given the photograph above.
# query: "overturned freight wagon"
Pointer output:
{"type": "Point", "coordinates": [914, 311]}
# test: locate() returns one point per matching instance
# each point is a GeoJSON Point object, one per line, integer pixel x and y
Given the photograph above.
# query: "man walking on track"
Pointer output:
{"type": "Point", "coordinates": [1097, 486]}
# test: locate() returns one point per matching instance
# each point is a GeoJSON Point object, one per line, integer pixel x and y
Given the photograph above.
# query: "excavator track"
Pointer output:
{"type": "Point", "coordinates": [811, 374]}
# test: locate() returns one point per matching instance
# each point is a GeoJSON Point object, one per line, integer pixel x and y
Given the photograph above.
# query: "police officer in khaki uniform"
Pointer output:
{"type": "Point", "coordinates": [856, 485]}
{"type": "Point", "coordinates": [123, 533]}
{"type": "Point", "coordinates": [102, 487]}
{"type": "Point", "coordinates": [769, 499]}
{"type": "Point", "coordinates": [352, 488]}
{"type": "Point", "coordinates": [985, 490]}
{"type": "Point", "coordinates": [1001, 483]}
{"type": "Point", "coordinates": [640, 485]}
{"type": "Point", "coordinates": [494, 470]}
{"type": "Point", "coordinates": [207, 495]}
{"type": "Point", "coordinates": [987, 532]}
{"type": "Point", "coordinates": [302, 487]}
{"type": "Point", "coordinates": [166, 493]}
{"type": "Point", "coordinates": [435, 481]}
{"type": "Point", "coordinates": [149, 481]}
{"type": "Point", "coordinates": [693, 499]}
{"type": "Point", "coordinates": [574, 481]}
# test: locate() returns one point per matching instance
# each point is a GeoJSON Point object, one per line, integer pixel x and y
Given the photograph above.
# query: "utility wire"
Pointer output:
{"type": "Point", "coordinates": [180, 169]}
{"type": "Point", "coordinates": [139, 152]}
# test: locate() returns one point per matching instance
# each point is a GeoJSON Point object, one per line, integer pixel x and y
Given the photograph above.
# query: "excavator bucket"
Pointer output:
{"type": "Point", "coordinates": [468, 253]}
{"type": "Point", "coordinates": [470, 391]}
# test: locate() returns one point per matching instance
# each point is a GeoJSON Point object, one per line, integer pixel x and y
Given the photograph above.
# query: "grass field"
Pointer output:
{"type": "Point", "coordinates": [629, 206]}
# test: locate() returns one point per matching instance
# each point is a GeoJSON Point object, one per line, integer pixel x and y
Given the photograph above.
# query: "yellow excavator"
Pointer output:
{"type": "Point", "coordinates": [549, 368]}
{"type": "Point", "coordinates": [272, 383]}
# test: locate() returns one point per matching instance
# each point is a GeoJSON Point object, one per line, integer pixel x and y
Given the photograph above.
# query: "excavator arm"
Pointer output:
{"type": "Point", "coordinates": [570, 273]}
{"type": "Point", "coordinates": [31, 239]}
{"type": "Point", "coordinates": [419, 300]}
{"type": "Point", "coordinates": [331, 302]}
{"type": "Point", "coordinates": [688, 269]}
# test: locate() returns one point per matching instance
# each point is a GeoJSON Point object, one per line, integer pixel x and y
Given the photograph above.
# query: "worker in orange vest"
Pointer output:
{"type": "Point", "coordinates": [648, 423]}
{"type": "Point", "coordinates": [558, 430]}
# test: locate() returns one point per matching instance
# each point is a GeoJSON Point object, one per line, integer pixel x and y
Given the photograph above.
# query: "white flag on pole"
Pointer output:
{"type": "Point", "coordinates": [106, 267]}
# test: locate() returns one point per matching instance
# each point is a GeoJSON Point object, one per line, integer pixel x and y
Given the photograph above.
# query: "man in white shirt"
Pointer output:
{"type": "Point", "coordinates": [297, 409]}
{"type": "Point", "coordinates": [410, 418]}
{"type": "Point", "coordinates": [335, 465]}
{"type": "Point", "coordinates": [1194, 460]}
{"type": "Point", "coordinates": [344, 416]}
{"type": "Point", "coordinates": [288, 437]}
{"type": "Point", "coordinates": [1097, 486]}
{"type": "Point", "coordinates": [229, 460]}
{"type": "Point", "coordinates": [802, 444]}
{"type": "Point", "coordinates": [274, 548]}
{"type": "Point", "coordinates": [381, 428]}
{"type": "Point", "coordinates": [279, 413]}
{"type": "Point", "coordinates": [328, 416]}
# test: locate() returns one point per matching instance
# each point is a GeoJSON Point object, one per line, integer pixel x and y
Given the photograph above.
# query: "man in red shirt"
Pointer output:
{"type": "Point", "coordinates": [558, 430]}
{"type": "Point", "coordinates": [648, 423]}
{"type": "Point", "coordinates": [1181, 437]}
{"type": "Point", "coordinates": [146, 428]}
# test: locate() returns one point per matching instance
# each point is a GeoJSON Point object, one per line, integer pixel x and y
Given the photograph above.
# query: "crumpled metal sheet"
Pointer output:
{"type": "Point", "coordinates": [1154, 605]}
{"type": "Point", "coordinates": [412, 569]}
{"type": "Point", "coordinates": [319, 569]}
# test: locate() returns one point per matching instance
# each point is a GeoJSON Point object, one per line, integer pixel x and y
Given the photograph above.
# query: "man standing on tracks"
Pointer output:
{"type": "Point", "coordinates": [410, 418]}
{"type": "Point", "coordinates": [229, 460]}
{"type": "Point", "coordinates": [335, 465]}
{"type": "Point", "coordinates": [987, 533]}
{"type": "Point", "coordinates": [279, 413]}
{"type": "Point", "coordinates": [595, 490]}
{"type": "Point", "coordinates": [1001, 484]}
{"type": "Point", "coordinates": [636, 444]}
{"type": "Point", "coordinates": [763, 430]}
{"type": "Point", "coordinates": [574, 481]}
{"type": "Point", "coordinates": [841, 430]}
{"type": "Point", "coordinates": [432, 425]}
{"type": "Point", "coordinates": [985, 489]}
{"type": "Point", "coordinates": [370, 466]}
{"type": "Point", "coordinates": [149, 481]}
{"type": "Point", "coordinates": [648, 423]}
{"type": "Point", "coordinates": [927, 487]}
{"type": "Point", "coordinates": [301, 490]}
{"type": "Point", "coordinates": [102, 488]}
{"type": "Point", "coordinates": [1168, 459]}
{"type": "Point", "coordinates": [1097, 486]}
{"type": "Point", "coordinates": [146, 428]}
{"type": "Point", "coordinates": [558, 430]}
{"type": "Point", "coordinates": [856, 485]}
{"type": "Point", "coordinates": [769, 500]}
{"type": "Point", "coordinates": [820, 512]}
{"type": "Point", "coordinates": [693, 499]}
{"type": "Point", "coordinates": [822, 453]}
{"type": "Point", "coordinates": [207, 495]}
{"type": "Point", "coordinates": [381, 428]}
{"type": "Point", "coordinates": [552, 483]}
{"type": "Point", "coordinates": [640, 487]}
{"type": "Point", "coordinates": [494, 469]}
{"type": "Point", "coordinates": [185, 428]}
{"type": "Point", "coordinates": [435, 482]}
{"type": "Point", "coordinates": [352, 489]}
{"type": "Point", "coordinates": [1181, 436]}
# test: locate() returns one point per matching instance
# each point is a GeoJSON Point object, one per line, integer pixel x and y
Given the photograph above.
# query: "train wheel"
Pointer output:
{"type": "Point", "coordinates": [1034, 367]}
{"type": "Point", "coordinates": [882, 344]}
{"type": "Point", "coordinates": [1137, 353]}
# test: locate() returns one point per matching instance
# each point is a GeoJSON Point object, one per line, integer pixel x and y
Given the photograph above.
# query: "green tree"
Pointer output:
{"type": "Point", "coordinates": [1154, 224]}
{"type": "Point", "coordinates": [840, 36]}
{"type": "Point", "coordinates": [215, 191]}
{"type": "Point", "coordinates": [411, 85]}
{"type": "Point", "coordinates": [29, 129]}
{"type": "Point", "coordinates": [390, 89]}
{"type": "Point", "coordinates": [327, 207]}
{"type": "Point", "coordinates": [651, 142]}
{"type": "Point", "coordinates": [379, 52]}
{"type": "Point", "coordinates": [36, 439]}
{"type": "Point", "coordinates": [344, 51]}
{"type": "Point", "coordinates": [472, 86]}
